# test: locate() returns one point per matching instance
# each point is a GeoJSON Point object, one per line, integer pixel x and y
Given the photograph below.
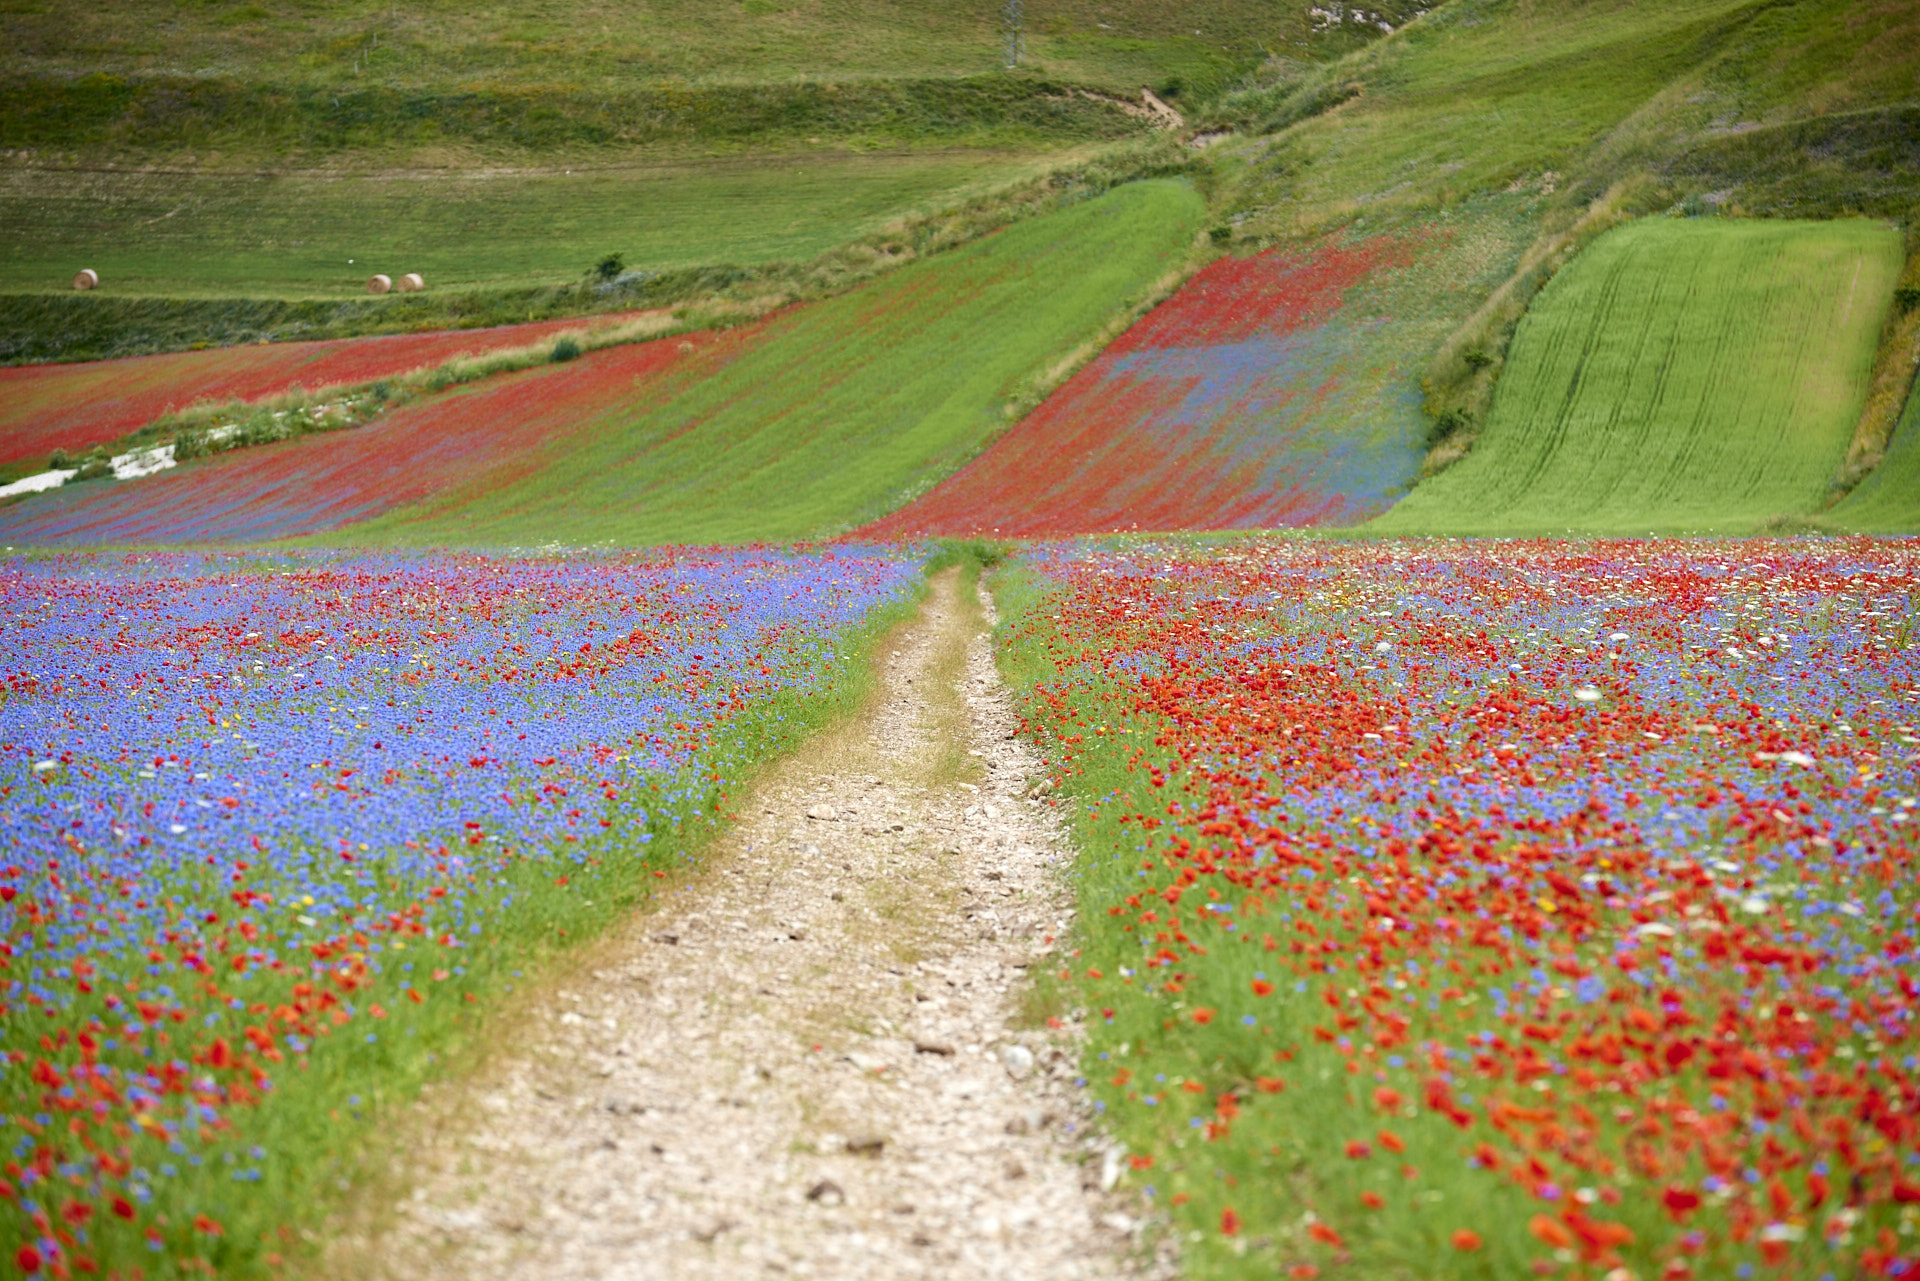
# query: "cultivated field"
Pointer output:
{"type": "Point", "coordinates": [321, 235]}
{"type": "Point", "coordinates": [1678, 376]}
{"type": "Point", "coordinates": [1272, 390]}
{"type": "Point", "coordinates": [480, 439]}
{"type": "Point", "coordinates": [77, 406]}
{"type": "Point", "coordinates": [837, 413]}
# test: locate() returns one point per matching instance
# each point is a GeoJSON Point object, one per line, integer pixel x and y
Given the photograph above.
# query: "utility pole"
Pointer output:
{"type": "Point", "coordinates": [1013, 26]}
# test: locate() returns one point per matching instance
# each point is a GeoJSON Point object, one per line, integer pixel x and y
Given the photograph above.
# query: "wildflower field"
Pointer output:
{"type": "Point", "coordinates": [1496, 910]}
{"type": "Point", "coordinates": [1202, 415]}
{"type": "Point", "coordinates": [1271, 390]}
{"type": "Point", "coordinates": [280, 829]}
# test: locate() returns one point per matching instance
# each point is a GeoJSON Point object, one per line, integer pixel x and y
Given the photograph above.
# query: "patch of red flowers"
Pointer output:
{"type": "Point", "coordinates": [1591, 866]}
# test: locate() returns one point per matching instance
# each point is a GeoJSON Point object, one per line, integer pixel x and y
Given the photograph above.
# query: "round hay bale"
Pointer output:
{"type": "Point", "coordinates": [87, 279]}
{"type": "Point", "coordinates": [412, 283]}
{"type": "Point", "coordinates": [379, 285]}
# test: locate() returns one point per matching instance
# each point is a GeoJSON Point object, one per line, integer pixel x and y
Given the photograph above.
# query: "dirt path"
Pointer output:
{"type": "Point", "coordinates": [812, 1064]}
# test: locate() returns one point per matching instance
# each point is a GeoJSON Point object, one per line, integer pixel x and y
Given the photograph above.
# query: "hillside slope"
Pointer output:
{"type": "Point", "coordinates": [1888, 500]}
{"type": "Point", "coordinates": [77, 406]}
{"type": "Point", "coordinates": [845, 409]}
{"type": "Point", "coordinates": [488, 434]}
{"type": "Point", "coordinates": [803, 425]}
{"type": "Point", "coordinates": [273, 234]}
{"type": "Point", "coordinates": [1677, 376]}
{"type": "Point", "coordinates": [1261, 394]}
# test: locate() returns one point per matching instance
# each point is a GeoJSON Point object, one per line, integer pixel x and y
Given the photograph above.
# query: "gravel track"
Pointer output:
{"type": "Point", "coordinates": [811, 1062]}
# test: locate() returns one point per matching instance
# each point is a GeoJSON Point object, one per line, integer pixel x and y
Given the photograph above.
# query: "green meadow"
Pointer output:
{"type": "Point", "coordinates": [320, 235]}
{"type": "Point", "coordinates": [1679, 376]}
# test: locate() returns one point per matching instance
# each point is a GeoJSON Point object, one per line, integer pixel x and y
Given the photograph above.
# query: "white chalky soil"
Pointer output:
{"type": "Point", "coordinates": [808, 1064]}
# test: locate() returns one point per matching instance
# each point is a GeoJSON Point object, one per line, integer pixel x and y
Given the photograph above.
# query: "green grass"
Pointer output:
{"type": "Point", "coordinates": [224, 124]}
{"type": "Point", "coordinates": [222, 83]}
{"type": "Point", "coordinates": [545, 42]}
{"type": "Point", "coordinates": [1477, 95]}
{"type": "Point", "coordinates": [1678, 376]}
{"type": "Point", "coordinates": [105, 323]}
{"type": "Point", "coordinates": [839, 412]}
{"type": "Point", "coordinates": [1888, 500]}
{"type": "Point", "coordinates": [1483, 94]}
{"type": "Point", "coordinates": [1800, 108]}
{"type": "Point", "coordinates": [315, 235]}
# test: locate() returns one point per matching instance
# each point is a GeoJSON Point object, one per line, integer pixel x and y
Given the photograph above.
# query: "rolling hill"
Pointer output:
{"type": "Point", "coordinates": [802, 426]}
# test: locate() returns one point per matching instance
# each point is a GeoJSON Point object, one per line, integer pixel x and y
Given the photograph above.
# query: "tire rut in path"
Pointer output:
{"type": "Point", "coordinates": [806, 1064]}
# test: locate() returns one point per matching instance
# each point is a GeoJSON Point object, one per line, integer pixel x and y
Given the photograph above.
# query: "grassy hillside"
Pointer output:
{"type": "Point", "coordinates": [843, 410]}
{"type": "Point", "coordinates": [1116, 43]}
{"type": "Point", "coordinates": [1678, 376]}
{"type": "Point", "coordinates": [320, 235]}
{"type": "Point", "coordinates": [1888, 500]}
{"type": "Point", "coordinates": [217, 81]}
{"type": "Point", "coordinates": [1568, 98]}
{"type": "Point", "coordinates": [108, 323]}
{"type": "Point", "coordinates": [1567, 118]}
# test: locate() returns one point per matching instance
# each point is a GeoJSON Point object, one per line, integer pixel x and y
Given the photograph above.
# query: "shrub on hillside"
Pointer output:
{"type": "Point", "coordinates": [96, 466]}
{"type": "Point", "coordinates": [564, 350]}
{"type": "Point", "coordinates": [1449, 423]}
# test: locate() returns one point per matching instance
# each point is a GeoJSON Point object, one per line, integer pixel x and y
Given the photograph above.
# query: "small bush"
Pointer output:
{"type": "Point", "coordinates": [1220, 235]}
{"type": "Point", "coordinates": [564, 350]}
{"type": "Point", "coordinates": [1170, 87]}
{"type": "Point", "coordinates": [191, 443]}
{"type": "Point", "coordinates": [1477, 359]}
{"type": "Point", "coordinates": [97, 466]}
{"type": "Point", "coordinates": [610, 267]}
{"type": "Point", "coordinates": [1449, 423]}
{"type": "Point", "coordinates": [1908, 298]}
{"type": "Point", "coordinates": [59, 461]}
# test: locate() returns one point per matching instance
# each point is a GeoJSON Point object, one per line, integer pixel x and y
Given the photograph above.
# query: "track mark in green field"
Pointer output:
{"type": "Point", "coordinates": [1678, 376]}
